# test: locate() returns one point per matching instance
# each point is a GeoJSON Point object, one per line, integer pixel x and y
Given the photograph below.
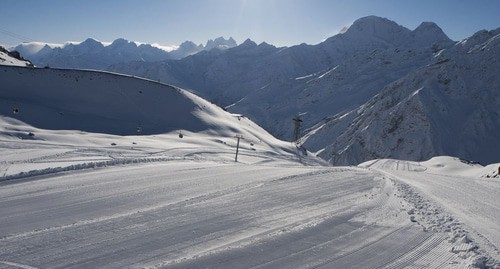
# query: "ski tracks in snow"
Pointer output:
{"type": "Point", "coordinates": [428, 211]}
{"type": "Point", "coordinates": [186, 214]}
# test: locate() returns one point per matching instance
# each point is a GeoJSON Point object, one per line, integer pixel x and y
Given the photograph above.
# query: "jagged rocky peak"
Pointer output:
{"type": "Point", "coordinates": [220, 43]}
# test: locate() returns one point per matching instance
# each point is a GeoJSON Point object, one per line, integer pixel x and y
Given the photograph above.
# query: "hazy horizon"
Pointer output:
{"type": "Point", "coordinates": [277, 22]}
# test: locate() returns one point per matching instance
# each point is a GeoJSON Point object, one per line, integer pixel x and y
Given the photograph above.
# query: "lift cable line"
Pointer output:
{"type": "Point", "coordinates": [14, 35]}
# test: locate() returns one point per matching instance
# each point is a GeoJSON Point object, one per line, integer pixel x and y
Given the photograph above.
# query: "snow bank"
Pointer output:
{"type": "Point", "coordinates": [447, 165]}
{"type": "Point", "coordinates": [89, 165]}
{"type": "Point", "coordinates": [454, 166]}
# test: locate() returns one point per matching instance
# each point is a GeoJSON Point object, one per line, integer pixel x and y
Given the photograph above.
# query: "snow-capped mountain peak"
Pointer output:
{"type": "Point", "coordinates": [30, 48]}
{"type": "Point", "coordinates": [122, 43]}
{"type": "Point", "coordinates": [89, 44]}
{"type": "Point", "coordinates": [429, 32]}
{"type": "Point", "coordinates": [375, 26]}
{"type": "Point", "coordinates": [374, 32]}
{"type": "Point", "coordinates": [95, 54]}
{"type": "Point", "coordinates": [91, 41]}
{"type": "Point", "coordinates": [447, 106]}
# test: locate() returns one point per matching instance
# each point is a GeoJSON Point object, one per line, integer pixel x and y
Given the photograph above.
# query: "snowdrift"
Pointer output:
{"type": "Point", "coordinates": [440, 165]}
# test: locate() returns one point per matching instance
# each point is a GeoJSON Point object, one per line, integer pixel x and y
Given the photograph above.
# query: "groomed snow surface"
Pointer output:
{"type": "Point", "coordinates": [73, 200]}
{"type": "Point", "coordinates": [100, 170]}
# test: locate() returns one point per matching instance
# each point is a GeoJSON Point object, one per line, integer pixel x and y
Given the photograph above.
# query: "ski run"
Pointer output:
{"type": "Point", "coordinates": [153, 205]}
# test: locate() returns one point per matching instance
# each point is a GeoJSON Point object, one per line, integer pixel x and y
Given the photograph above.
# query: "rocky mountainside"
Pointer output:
{"type": "Point", "coordinates": [345, 87]}
{"type": "Point", "coordinates": [222, 76]}
{"type": "Point", "coordinates": [188, 48]}
{"type": "Point", "coordinates": [336, 84]}
{"type": "Point", "coordinates": [242, 71]}
{"type": "Point", "coordinates": [12, 58]}
{"type": "Point", "coordinates": [107, 103]}
{"type": "Point", "coordinates": [93, 54]}
{"type": "Point", "coordinates": [450, 106]}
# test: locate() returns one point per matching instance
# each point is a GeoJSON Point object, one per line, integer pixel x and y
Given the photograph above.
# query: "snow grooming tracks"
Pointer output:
{"type": "Point", "coordinates": [18, 265]}
{"type": "Point", "coordinates": [434, 219]}
{"type": "Point", "coordinates": [89, 165]}
{"type": "Point", "coordinates": [392, 247]}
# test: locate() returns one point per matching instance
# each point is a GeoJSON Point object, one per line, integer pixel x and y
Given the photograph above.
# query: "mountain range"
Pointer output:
{"type": "Point", "coordinates": [376, 90]}
{"type": "Point", "coordinates": [358, 92]}
{"type": "Point", "coordinates": [449, 106]}
{"type": "Point", "coordinates": [94, 54]}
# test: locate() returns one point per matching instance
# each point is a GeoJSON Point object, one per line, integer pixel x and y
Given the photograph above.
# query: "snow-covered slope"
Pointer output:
{"type": "Point", "coordinates": [12, 58]}
{"type": "Point", "coordinates": [234, 74]}
{"type": "Point", "coordinates": [83, 199]}
{"type": "Point", "coordinates": [452, 166]}
{"type": "Point", "coordinates": [223, 76]}
{"type": "Point", "coordinates": [370, 54]}
{"type": "Point", "coordinates": [376, 90]}
{"type": "Point", "coordinates": [337, 84]}
{"type": "Point", "coordinates": [327, 82]}
{"type": "Point", "coordinates": [113, 104]}
{"type": "Point", "coordinates": [197, 213]}
{"type": "Point", "coordinates": [449, 107]}
{"type": "Point", "coordinates": [338, 89]}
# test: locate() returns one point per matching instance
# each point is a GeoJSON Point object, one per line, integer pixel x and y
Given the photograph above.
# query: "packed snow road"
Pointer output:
{"type": "Point", "coordinates": [194, 214]}
{"type": "Point", "coordinates": [445, 184]}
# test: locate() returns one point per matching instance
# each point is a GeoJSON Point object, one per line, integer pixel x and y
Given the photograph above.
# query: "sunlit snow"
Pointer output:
{"type": "Point", "coordinates": [105, 170]}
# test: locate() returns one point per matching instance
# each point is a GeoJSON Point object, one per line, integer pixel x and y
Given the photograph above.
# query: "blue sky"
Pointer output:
{"type": "Point", "coordinates": [278, 22]}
